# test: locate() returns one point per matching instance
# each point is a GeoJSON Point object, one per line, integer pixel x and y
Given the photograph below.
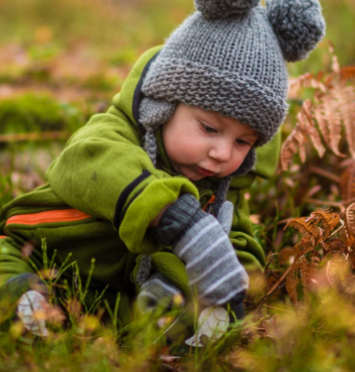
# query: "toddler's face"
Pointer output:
{"type": "Point", "coordinates": [203, 143]}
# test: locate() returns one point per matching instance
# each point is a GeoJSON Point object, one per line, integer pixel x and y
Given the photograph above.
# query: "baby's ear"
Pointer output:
{"type": "Point", "coordinates": [153, 113]}
{"type": "Point", "coordinates": [298, 24]}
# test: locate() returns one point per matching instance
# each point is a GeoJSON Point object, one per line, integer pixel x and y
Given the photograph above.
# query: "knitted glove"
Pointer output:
{"type": "Point", "coordinates": [199, 240]}
{"type": "Point", "coordinates": [29, 304]}
{"type": "Point", "coordinates": [159, 291]}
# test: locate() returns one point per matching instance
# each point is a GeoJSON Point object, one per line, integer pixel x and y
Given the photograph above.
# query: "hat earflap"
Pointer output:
{"type": "Point", "coordinates": [153, 112]}
{"type": "Point", "coordinates": [215, 9]}
{"type": "Point", "coordinates": [247, 164]}
{"type": "Point", "coordinates": [298, 25]}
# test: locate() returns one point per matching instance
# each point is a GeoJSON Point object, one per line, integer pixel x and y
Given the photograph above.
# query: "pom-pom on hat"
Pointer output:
{"type": "Point", "coordinates": [230, 57]}
{"type": "Point", "coordinates": [212, 9]}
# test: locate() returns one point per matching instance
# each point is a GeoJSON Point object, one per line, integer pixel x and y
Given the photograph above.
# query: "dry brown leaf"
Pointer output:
{"type": "Point", "coordinates": [347, 182]}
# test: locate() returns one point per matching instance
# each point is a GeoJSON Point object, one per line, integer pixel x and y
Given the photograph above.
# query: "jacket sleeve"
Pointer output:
{"type": "Point", "coordinates": [103, 171]}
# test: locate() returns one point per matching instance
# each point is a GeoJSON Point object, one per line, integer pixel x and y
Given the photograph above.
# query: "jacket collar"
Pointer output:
{"type": "Point", "coordinates": [138, 95]}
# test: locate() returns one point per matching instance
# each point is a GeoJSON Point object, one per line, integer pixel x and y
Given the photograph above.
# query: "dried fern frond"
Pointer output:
{"type": "Point", "coordinates": [350, 223]}
{"type": "Point", "coordinates": [331, 108]}
{"type": "Point", "coordinates": [293, 144]}
{"type": "Point", "coordinates": [305, 225]}
{"type": "Point", "coordinates": [292, 282]}
{"type": "Point", "coordinates": [308, 80]}
{"type": "Point", "coordinates": [305, 272]}
{"type": "Point", "coordinates": [347, 182]}
{"type": "Point", "coordinates": [315, 260]}
{"type": "Point", "coordinates": [338, 252]}
{"type": "Point", "coordinates": [345, 96]}
{"type": "Point", "coordinates": [327, 114]}
{"type": "Point", "coordinates": [334, 245]}
{"type": "Point", "coordinates": [308, 270]}
{"type": "Point", "coordinates": [308, 125]}
{"type": "Point", "coordinates": [328, 219]}
{"type": "Point", "coordinates": [302, 249]}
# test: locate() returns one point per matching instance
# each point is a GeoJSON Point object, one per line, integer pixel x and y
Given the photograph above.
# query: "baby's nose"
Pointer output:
{"type": "Point", "coordinates": [221, 153]}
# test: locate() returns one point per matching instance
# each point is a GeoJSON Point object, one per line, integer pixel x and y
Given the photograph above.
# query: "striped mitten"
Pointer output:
{"type": "Point", "coordinates": [159, 291]}
{"type": "Point", "coordinates": [199, 240]}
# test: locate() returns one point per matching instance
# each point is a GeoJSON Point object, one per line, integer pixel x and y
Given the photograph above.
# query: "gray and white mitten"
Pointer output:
{"type": "Point", "coordinates": [159, 291]}
{"type": "Point", "coordinates": [198, 239]}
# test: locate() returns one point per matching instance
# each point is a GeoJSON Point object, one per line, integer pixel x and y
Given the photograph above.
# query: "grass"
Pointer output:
{"type": "Point", "coordinates": [41, 90]}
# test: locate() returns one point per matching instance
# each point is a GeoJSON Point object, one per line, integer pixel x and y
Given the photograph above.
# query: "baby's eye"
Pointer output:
{"type": "Point", "coordinates": [242, 142]}
{"type": "Point", "coordinates": [208, 129]}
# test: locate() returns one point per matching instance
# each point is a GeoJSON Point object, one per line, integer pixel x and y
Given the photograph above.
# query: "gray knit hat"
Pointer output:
{"type": "Point", "coordinates": [229, 57]}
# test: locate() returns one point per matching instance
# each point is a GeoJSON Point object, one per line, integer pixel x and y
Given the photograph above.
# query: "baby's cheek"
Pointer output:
{"type": "Point", "coordinates": [236, 163]}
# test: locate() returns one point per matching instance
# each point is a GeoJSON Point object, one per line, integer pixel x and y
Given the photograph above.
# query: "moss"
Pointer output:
{"type": "Point", "coordinates": [32, 112]}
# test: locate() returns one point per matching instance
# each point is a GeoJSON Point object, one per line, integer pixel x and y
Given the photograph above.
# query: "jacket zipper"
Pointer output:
{"type": "Point", "coordinates": [64, 215]}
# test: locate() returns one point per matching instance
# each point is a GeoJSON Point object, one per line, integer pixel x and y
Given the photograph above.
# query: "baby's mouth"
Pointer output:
{"type": "Point", "coordinates": [204, 172]}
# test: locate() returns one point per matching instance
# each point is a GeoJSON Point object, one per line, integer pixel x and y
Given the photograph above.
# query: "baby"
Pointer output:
{"type": "Point", "coordinates": [153, 190]}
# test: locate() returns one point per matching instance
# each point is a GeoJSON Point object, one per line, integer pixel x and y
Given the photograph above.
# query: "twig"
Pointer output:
{"type": "Point", "coordinates": [339, 228]}
{"type": "Point", "coordinates": [22, 137]}
{"type": "Point", "coordinates": [272, 290]}
{"type": "Point", "coordinates": [324, 173]}
{"type": "Point", "coordinates": [276, 285]}
{"type": "Point", "coordinates": [325, 202]}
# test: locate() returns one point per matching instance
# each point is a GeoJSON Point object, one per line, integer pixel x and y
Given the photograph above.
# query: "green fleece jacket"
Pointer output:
{"type": "Point", "coordinates": [106, 178]}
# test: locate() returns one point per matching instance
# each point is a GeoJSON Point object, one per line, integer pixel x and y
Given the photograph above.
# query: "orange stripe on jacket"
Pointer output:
{"type": "Point", "coordinates": [3, 237]}
{"type": "Point", "coordinates": [64, 215]}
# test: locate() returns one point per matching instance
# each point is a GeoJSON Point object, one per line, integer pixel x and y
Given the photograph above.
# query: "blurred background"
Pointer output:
{"type": "Point", "coordinates": [61, 62]}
